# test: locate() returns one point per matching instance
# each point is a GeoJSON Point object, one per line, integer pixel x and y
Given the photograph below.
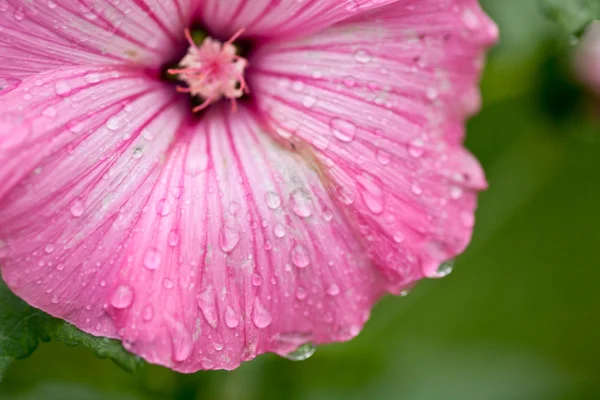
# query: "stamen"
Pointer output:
{"type": "Point", "coordinates": [212, 71]}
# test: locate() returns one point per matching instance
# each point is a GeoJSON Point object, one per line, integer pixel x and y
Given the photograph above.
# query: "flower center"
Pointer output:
{"type": "Point", "coordinates": [212, 71]}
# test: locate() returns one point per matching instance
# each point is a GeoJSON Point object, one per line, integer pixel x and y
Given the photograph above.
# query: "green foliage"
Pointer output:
{"type": "Point", "coordinates": [573, 15]}
{"type": "Point", "coordinates": [23, 327]}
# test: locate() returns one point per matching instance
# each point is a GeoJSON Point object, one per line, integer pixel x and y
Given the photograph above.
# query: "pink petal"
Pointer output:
{"type": "Point", "coordinates": [37, 36]}
{"type": "Point", "coordinates": [200, 244]}
{"type": "Point", "coordinates": [587, 57]}
{"type": "Point", "coordinates": [277, 19]}
{"type": "Point", "coordinates": [381, 101]}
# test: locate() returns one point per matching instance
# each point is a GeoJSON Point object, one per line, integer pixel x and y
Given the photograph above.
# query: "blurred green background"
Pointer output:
{"type": "Point", "coordinates": [517, 319]}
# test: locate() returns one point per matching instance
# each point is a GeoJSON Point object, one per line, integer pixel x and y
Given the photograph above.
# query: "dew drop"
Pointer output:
{"type": "Point", "coordinates": [349, 81]}
{"type": "Point", "coordinates": [228, 239]}
{"type": "Point", "coordinates": [207, 304]}
{"type": "Point", "coordinates": [371, 193]}
{"type": "Point", "coordinates": [342, 129]}
{"type": "Point", "coordinates": [62, 88]}
{"type": "Point", "coordinates": [168, 283]}
{"type": "Point", "coordinates": [333, 290]}
{"type": "Point", "coordinates": [148, 313]}
{"type": "Point", "coordinates": [256, 280]}
{"type": "Point", "coordinates": [303, 352]}
{"type": "Point", "coordinates": [416, 189]}
{"type": "Point", "coordinates": [112, 124]}
{"type": "Point", "coordinates": [182, 343]}
{"type": "Point", "coordinates": [301, 202]}
{"type": "Point", "coordinates": [363, 56]}
{"type": "Point", "coordinates": [49, 248]}
{"type": "Point", "coordinates": [300, 256]}
{"type": "Point", "coordinates": [279, 230]}
{"type": "Point", "coordinates": [137, 153]}
{"type": "Point", "coordinates": [77, 208]}
{"type": "Point", "coordinates": [301, 293]}
{"type": "Point", "coordinates": [231, 319]}
{"type": "Point", "coordinates": [445, 268]}
{"type": "Point", "coordinates": [273, 200]}
{"type": "Point", "coordinates": [218, 346]}
{"type": "Point", "coordinates": [163, 208]}
{"type": "Point", "coordinates": [152, 259]}
{"type": "Point", "coordinates": [415, 148]}
{"type": "Point", "coordinates": [398, 237]}
{"type": "Point", "coordinates": [309, 101]}
{"type": "Point", "coordinates": [122, 297]}
{"type": "Point", "coordinates": [92, 77]}
{"type": "Point", "coordinates": [260, 316]}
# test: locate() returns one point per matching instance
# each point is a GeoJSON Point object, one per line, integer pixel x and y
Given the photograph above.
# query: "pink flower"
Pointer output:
{"type": "Point", "coordinates": [202, 240]}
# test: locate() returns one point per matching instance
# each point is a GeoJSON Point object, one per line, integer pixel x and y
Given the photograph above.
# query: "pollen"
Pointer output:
{"type": "Point", "coordinates": [212, 71]}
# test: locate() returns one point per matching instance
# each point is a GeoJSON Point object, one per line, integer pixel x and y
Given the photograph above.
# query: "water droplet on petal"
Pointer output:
{"type": "Point", "coordinates": [77, 208]}
{"type": "Point", "coordinates": [302, 353]}
{"type": "Point", "coordinates": [445, 268]}
{"type": "Point", "coordinates": [301, 202]}
{"type": "Point", "coordinates": [273, 200]}
{"type": "Point", "coordinates": [182, 343]}
{"type": "Point", "coordinates": [309, 101]}
{"type": "Point", "coordinates": [92, 77]}
{"type": "Point", "coordinates": [152, 259]}
{"type": "Point", "coordinates": [301, 293]}
{"type": "Point", "coordinates": [342, 129]}
{"type": "Point", "coordinates": [228, 239]}
{"type": "Point", "coordinates": [122, 297]}
{"type": "Point", "coordinates": [415, 148]}
{"type": "Point", "coordinates": [371, 193]}
{"type": "Point", "coordinates": [363, 56]}
{"type": "Point", "coordinates": [260, 316]}
{"type": "Point", "coordinates": [256, 279]}
{"type": "Point", "coordinates": [398, 237]}
{"type": "Point", "coordinates": [163, 208]}
{"type": "Point", "coordinates": [333, 290]}
{"type": "Point", "coordinates": [137, 153]}
{"type": "Point", "coordinates": [300, 256]}
{"type": "Point", "coordinates": [231, 320]}
{"type": "Point", "coordinates": [148, 313]}
{"type": "Point", "coordinates": [279, 230]}
{"type": "Point", "coordinates": [112, 124]}
{"type": "Point", "coordinates": [49, 248]}
{"type": "Point", "coordinates": [168, 283]}
{"type": "Point", "coordinates": [207, 303]}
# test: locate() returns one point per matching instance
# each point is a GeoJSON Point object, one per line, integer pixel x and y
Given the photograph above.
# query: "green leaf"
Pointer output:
{"type": "Point", "coordinates": [573, 15]}
{"type": "Point", "coordinates": [23, 327]}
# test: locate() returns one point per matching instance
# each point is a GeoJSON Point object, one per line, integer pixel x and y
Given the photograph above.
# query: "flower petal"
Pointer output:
{"type": "Point", "coordinates": [37, 36]}
{"type": "Point", "coordinates": [199, 243]}
{"type": "Point", "coordinates": [382, 99]}
{"type": "Point", "coordinates": [276, 19]}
